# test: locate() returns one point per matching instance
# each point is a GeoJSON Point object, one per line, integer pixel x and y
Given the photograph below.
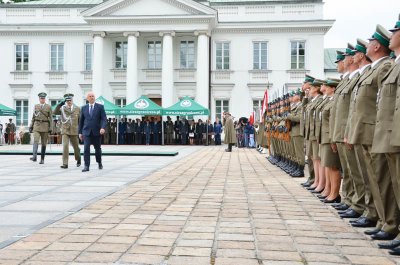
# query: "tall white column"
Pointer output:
{"type": "Point", "coordinates": [97, 76]}
{"type": "Point", "coordinates": [132, 84]}
{"type": "Point", "coordinates": [167, 75]}
{"type": "Point", "coordinates": [202, 69]}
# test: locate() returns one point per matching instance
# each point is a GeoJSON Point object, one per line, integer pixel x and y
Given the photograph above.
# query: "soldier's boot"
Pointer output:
{"type": "Point", "coordinates": [34, 153]}
{"type": "Point", "coordinates": [299, 173]}
{"type": "Point", "coordinates": [291, 167]}
{"type": "Point", "coordinates": [294, 169]}
{"type": "Point", "coordinates": [42, 155]}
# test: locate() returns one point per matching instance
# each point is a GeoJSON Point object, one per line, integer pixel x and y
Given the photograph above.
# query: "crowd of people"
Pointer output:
{"type": "Point", "coordinates": [349, 128]}
{"type": "Point", "coordinates": [8, 133]}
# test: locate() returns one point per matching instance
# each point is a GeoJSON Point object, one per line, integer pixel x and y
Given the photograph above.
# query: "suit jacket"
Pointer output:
{"type": "Point", "coordinates": [92, 123]}
{"type": "Point", "coordinates": [339, 88]}
{"type": "Point", "coordinates": [310, 118]}
{"type": "Point", "coordinates": [326, 119]}
{"type": "Point", "coordinates": [340, 109]}
{"type": "Point", "coordinates": [69, 119]}
{"type": "Point", "coordinates": [363, 118]}
{"type": "Point", "coordinates": [295, 117]}
{"type": "Point", "coordinates": [318, 118]}
{"type": "Point", "coordinates": [394, 81]}
{"type": "Point", "coordinates": [302, 121]}
{"type": "Point", "coordinates": [385, 112]}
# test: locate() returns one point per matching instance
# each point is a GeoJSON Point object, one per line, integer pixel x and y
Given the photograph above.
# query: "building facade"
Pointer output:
{"type": "Point", "coordinates": [222, 53]}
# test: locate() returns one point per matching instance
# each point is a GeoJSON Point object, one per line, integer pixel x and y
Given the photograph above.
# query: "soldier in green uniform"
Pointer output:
{"type": "Point", "coordinates": [41, 125]}
{"type": "Point", "coordinates": [70, 114]}
{"type": "Point", "coordinates": [297, 140]}
{"type": "Point", "coordinates": [363, 123]}
{"type": "Point", "coordinates": [230, 137]}
{"type": "Point", "coordinates": [306, 99]}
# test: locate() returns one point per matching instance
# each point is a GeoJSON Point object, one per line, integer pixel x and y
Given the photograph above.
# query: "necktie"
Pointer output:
{"type": "Point", "coordinates": [91, 110]}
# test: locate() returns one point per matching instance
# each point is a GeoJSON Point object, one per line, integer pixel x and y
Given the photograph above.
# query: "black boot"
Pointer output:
{"type": "Point", "coordinates": [42, 155]}
{"type": "Point", "coordinates": [34, 153]}
{"type": "Point", "coordinates": [299, 173]}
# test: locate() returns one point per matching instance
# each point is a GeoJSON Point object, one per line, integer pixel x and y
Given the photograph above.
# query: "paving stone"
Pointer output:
{"type": "Point", "coordinates": [236, 253]}
{"type": "Point", "coordinates": [174, 260]}
{"type": "Point", "coordinates": [279, 255]}
{"type": "Point", "coordinates": [98, 257]}
{"type": "Point", "coordinates": [192, 251]}
{"type": "Point", "coordinates": [235, 261]}
{"type": "Point", "coordinates": [368, 260]}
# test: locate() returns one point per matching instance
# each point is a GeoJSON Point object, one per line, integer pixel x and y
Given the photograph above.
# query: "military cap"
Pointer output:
{"type": "Point", "coordinates": [309, 78]}
{"type": "Point", "coordinates": [298, 92]}
{"type": "Point", "coordinates": [68, 96]}
{"type": "Point", "coordinates": [42, 95]}
{"type": "Point", "coordinates": [333, 82]}
{"type": "Point", "coordinates": [318, 82]}
{"type": "Point", "coordinates": [339, 56]}
{"type": "Point", "coordinates": [396, 27]}
{"type": "Point", "coordinates": [349, 50]}
{"type": "Point", "coordinates": [361, 46]}
{"type": "Point", "coordinates": [381, 35]}
{"type": "Point", "coordinates": [292, 93]}
{"type": "Point", "coordinates": [392, 55]}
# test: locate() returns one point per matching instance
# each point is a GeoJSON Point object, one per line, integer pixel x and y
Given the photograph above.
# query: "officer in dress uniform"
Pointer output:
{"type": "Point", "coordinates": [363, 122]}
{"type": "Point", "coordinates": [69, 114]}
{"type": "Point", "coordinates": [41, 125]}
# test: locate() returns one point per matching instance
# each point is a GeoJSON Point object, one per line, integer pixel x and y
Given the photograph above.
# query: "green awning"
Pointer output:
{"type": "Point", "coordinates": [6, 111]}
{"type": "Point", "coordinates": [186, 106]}
{"type": "Point", "coordinates": [110, 108]}
{"type": "Point", "coordinates": [142, 106]}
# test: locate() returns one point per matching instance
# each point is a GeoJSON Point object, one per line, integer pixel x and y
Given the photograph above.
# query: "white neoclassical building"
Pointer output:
{"type": "Point", "coordinates": [222, 53]}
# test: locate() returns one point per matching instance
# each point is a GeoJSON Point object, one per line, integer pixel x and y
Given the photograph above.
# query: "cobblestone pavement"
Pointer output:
{"type": "Point", "coordinates": [210, 207]}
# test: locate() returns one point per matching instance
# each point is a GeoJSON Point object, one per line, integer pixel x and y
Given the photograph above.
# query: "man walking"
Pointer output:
{"type": "Point", "coordinates": [92, 125]}
{"type": "Point", "coordinates": [41, 125]}
{"type": "Point", "coordinates": [70, 114]}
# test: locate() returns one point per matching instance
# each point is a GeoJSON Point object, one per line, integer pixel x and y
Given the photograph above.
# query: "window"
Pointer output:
{"type": "Point", "coordinates": [154, 58]}
{"type": "Point", "coordinates": [187, 54]}
{"type": "Point", "coordinates": [220, 107]}
{"type": "Point", "coordinates": [54, 102]}
{"type": "Point", "coordinates": [57, 57]}
{"type": "Point", "coordinates": [297, 52]}
{"type": "Point", "coordinates": [21, 57]}
{"type": "Point", "coordinates": [88, 56]}
{"type": "Point", "coordinates": [260, 55]}
{"type": "Point", "coordinates": [222, 55]}
{"type": "Point", "coordinates": [22, 112]}
{"type": "Point", "coordinates": [120, 102]}
{"type": "Point", "coordinates": [121, 52]}
{"type": "Point", "coordinates": [257, 106]}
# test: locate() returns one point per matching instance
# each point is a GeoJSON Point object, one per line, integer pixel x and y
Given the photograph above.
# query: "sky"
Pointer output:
{"type": "Point", "coordinates": [358, 19]}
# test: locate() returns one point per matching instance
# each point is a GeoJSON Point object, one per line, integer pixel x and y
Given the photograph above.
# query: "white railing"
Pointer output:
{"type": "Point", "coordinates": [21, 76]}
{"type": "Point", "coordinates": [223, 75]}
{"type": "Point", "coordinates": [57, 76]}
{"type": "Point", "coordinates": [186, 74]}
{"type": "Point", "coordinates": [152, 74]}
{"type": "Point", "coordinates": [297, 74]}
{"type": "Point", "coordinates": [119, 74]}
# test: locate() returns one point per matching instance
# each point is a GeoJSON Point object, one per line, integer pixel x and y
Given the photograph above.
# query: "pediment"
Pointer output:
{"type": "Point", "coordinates": [148, 8]}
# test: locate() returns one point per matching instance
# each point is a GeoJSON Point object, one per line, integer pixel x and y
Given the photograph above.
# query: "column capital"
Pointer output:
{"type": "Point", "coordinates": [99, 34]}
{"type": "Point", "coordinates": [202, 32]}
{"type": "Point", "coordinates": [131, 33]}
{"type": "Point", "coordinates": [166, 33]}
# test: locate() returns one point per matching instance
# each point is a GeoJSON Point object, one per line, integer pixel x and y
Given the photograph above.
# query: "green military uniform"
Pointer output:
{"type": "Point", "coordinates": [69, 128]}
{"type": "Point", "coordinates": [41, 125]}
{"type": "Point", "coordinates": [169, 130]}
{"type": "Point", "coordinates": [363, 121]}
{"type": "Point", "coordinates": [296, 137]}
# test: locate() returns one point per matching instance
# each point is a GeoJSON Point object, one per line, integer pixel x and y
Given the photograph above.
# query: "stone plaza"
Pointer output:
{"type": "Point", "coordinates": [204, 206]}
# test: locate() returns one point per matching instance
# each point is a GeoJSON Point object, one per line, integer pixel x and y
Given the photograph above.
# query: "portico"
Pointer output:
{"type": "Point", "coordinates": [168, 77]}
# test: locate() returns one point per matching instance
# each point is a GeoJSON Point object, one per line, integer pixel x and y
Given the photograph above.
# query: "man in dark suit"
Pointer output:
{"type": "Point", "coordinates": [92, 125]}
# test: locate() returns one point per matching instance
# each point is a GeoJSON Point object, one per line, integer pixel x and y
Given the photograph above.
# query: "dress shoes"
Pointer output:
{"type": "Point", "coordinates": [390, 245]}
{"type": "Point", "coordinates": [321, 197]}
{"type": "Point", "coordinates": [372, 231]}
{"type": "Point", "coordinates": [342, 207]}
{"type": "Point", "coordinates": [382, 235]}
{"type": "Point", "coordinates": [78, 163]}
{"type": "Point", "coordinates": [100, 166]}
{"type": "Point", "coordinates": [317, 191]}
{"type": "Point", "coordinates": [33, 159]}
{"type": "Point", "coordinates": [64, 166]}
{"type": "Point", "coordinates": [85, 169]}
{"type": "Point", "coordinates": [395, 252]}
{"type": "Point", "coordinates": [363, 222]}
{"type": "Point", "coordinates": [336, 200]}
{"type": "Point", "coordinates": [227, 150]}
{"type": "Point", "coordinates": [306, 184]}
{"type": "Point", "coordinates": [350, 214]}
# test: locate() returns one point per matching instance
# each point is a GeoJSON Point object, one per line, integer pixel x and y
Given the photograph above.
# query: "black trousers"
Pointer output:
{"type": "Point", "coordinates": [96, 142]}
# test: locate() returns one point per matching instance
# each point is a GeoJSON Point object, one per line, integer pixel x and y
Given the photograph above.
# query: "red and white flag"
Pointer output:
{"type": "Point", "coordinates": [265, 103]}
{"type": "Point", "coordinates": [251, 119]}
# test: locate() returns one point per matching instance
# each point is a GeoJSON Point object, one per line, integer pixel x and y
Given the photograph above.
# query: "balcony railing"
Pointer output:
{"type": "Point", "coordinates": [222, 75]}
{"type": "Point", "coordinates": [57, 76]}
{"type": "Point", "coordinates": [119, 74]}
{"type": "Point", "coordinates": [21, 75]}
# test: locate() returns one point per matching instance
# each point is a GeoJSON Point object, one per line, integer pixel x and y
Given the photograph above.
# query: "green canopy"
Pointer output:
{"type": "Point", "coordinates": [142, 106]}
{"type": "Point", "coordinates": [186, 106]}
{"type": "Point", "coordinates": [6, 111]}
{"type": "Point", "coordinates": [110, 108]}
